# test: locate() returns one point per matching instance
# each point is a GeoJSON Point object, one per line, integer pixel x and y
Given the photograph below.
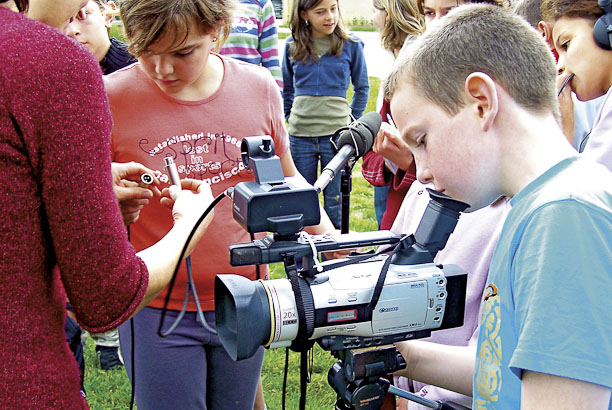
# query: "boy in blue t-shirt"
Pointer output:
{"type": "Point", "coordinates": [478, 109]}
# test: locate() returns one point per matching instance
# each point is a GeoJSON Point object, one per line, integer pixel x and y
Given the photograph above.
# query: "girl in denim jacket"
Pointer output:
{"type": "Point", "coordinates": [320, 62]}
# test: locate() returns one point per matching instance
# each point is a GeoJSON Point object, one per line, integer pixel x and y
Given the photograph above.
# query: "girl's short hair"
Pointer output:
{"type": "Point", "coordinates": [145, 21]}
{"type": "Point", "coordinates": [403, 20]}
{"type": "Point", "coordinates": [302, 48]}
{"type": "Point", "coordinates": [553, 10]}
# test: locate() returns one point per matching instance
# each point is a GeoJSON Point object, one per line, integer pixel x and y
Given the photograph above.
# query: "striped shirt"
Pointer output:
{"type": "Point", "coordinates": [254, 37]}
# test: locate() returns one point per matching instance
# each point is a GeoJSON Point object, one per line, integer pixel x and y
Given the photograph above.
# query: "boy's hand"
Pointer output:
{"type": "Point", "coordinates": [131, 194]}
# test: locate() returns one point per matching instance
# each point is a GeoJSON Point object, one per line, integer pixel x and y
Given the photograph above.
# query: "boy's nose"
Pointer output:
{"type": "Point", "coordinates": [423, 174]}
{"type": "Point", "coordinates": [72, 30]}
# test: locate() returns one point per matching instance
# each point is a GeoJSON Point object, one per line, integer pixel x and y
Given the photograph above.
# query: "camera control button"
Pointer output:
{"type": "Point", "coordinates": [352, 299]}
{"type": "Point", "coordinates": [332, 300]}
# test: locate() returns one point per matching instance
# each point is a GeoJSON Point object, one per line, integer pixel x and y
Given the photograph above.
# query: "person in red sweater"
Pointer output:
{"type": "Point", "coordinates": [59, 209]}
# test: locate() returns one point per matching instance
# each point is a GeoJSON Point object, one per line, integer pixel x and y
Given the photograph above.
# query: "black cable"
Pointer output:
{"type": "Point", "coordinates": [183, 251]}
{"type": "Point", "coordinates": [285, 376]}
{"type": "Point", "coordinates": [257, 270]}
{"type": "Point", "coordinates": [303, 378]}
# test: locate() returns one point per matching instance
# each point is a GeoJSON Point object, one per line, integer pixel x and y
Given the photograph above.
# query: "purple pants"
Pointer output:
{"type": "Point", "coordinates": [188, 369]}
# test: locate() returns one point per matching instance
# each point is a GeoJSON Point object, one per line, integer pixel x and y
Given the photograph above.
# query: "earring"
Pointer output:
{"type": "Point", "coordinates": [214, 39]}
{"type": "Point", "coordinates": [307, 23]}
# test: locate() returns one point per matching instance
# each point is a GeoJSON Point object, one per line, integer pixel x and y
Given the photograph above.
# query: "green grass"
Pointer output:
{"type": "Point", "coordinates": [116, 31]}
{"type": "Point", "coordinates": [111, 390]}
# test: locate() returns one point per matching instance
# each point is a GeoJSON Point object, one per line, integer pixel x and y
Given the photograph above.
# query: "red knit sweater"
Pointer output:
{"type": "Point", "coordinates": [58, 208]}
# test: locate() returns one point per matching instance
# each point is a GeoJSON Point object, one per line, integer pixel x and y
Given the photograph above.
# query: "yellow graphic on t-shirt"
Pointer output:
{"type": "Point", "coordinates": [488, 373]}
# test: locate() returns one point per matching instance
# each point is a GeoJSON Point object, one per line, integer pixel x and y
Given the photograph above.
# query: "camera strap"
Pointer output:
{"type": "Point", "coordinates": [357, 259]}
{"type": "Point", "coordinates": [381, 278]}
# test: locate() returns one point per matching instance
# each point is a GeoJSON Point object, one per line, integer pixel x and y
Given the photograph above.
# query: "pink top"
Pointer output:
{"type": "Point", "coordinates": [204, 139]}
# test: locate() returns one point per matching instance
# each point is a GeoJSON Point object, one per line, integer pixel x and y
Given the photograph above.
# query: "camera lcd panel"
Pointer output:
{"type": "Point", "coordinates": [341, 316]}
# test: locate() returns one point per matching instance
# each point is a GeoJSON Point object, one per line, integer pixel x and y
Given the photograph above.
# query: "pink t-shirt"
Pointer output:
{"type": "Point", "coordinates": [204, 138]}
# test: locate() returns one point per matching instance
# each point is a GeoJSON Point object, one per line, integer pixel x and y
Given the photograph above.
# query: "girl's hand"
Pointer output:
{"type": "Point", "coordinates": [131, 194]}
{"type": "Point", "coordinates": [390, 145]}
{"type": "Point", "coordinates": [188, 205]}
{"type": "Point", "coordinates": [566, 104]}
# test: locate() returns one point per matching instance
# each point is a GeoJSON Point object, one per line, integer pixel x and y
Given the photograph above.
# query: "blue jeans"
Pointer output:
{"type": "Point", "coordinates": [307, 152]}
{"type": "Point", "coordinates": [380, 202]}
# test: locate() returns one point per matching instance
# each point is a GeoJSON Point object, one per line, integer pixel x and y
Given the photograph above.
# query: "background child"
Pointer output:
{"type": "Point", "coordinates": [91, 27]}
{"type": "Point", "coordinates": [572, 36]}
{"type": "Point", "coordinates": [399, 22]}
{"type": "Point", "coordinates": [320, 62]}
{"type": "Point", "coordinates": [577, 116]}
{"type": "Point", "coordinates": [434, 10]}
{"type": "Point", "coordinates": [254, 37]}
{"type": "Point", "coordinates": [460, 121]}
{"type": "Point", "coordinates": [184, 101]}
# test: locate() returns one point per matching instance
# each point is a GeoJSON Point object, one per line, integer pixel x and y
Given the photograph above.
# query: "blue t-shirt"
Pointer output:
{"type": "Point", "coordinates": [548, 303]}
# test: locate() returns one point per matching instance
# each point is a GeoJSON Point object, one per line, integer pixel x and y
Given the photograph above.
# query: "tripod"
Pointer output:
{"type": "Point", "coordinates": [357, 379]}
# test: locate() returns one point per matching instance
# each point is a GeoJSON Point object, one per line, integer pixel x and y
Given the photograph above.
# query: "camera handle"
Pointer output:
{"type": "Point", "coordinates": [426, 402]}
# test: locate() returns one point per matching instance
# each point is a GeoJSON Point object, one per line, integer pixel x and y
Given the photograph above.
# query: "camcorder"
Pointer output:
{"type": "Point", "coordinates": [356, 308]}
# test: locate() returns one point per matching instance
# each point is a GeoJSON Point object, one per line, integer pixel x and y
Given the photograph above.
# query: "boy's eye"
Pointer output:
{"type": "Point", "coordinates": [420, 142]}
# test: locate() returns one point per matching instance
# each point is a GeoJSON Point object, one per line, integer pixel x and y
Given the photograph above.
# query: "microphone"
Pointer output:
{"type": "Point", "coordinates": [352, 142]}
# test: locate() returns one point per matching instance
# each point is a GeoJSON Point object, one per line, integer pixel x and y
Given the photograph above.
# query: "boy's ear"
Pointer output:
{"type": "Point", "coordinates": [481, 95]}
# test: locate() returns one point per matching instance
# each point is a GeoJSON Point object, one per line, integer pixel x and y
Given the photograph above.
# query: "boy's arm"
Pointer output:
{"type": "Point", "coordinates": [449, 367]}
{"type": "Point", "coordinates": [545, 391]}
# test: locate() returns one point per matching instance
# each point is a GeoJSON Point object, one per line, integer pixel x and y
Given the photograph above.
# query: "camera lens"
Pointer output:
{"type": "Point", "coordinates": [242, 314]}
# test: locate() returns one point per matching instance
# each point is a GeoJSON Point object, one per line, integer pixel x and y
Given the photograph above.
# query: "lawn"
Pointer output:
{"type": "Point", "coordinates": [111, 390]}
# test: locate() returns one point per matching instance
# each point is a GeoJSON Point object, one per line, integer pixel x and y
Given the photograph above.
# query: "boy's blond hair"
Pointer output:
{"type": "Point", "coordinates": [480, 38]}
{"type": "Point", "coordinates": [403, 20]}
{"type": "Point", "coordinates": [145, 21]}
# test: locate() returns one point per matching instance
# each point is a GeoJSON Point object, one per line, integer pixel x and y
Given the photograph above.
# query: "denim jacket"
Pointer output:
{"type": "Point", "coordinates": [329, 76]}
